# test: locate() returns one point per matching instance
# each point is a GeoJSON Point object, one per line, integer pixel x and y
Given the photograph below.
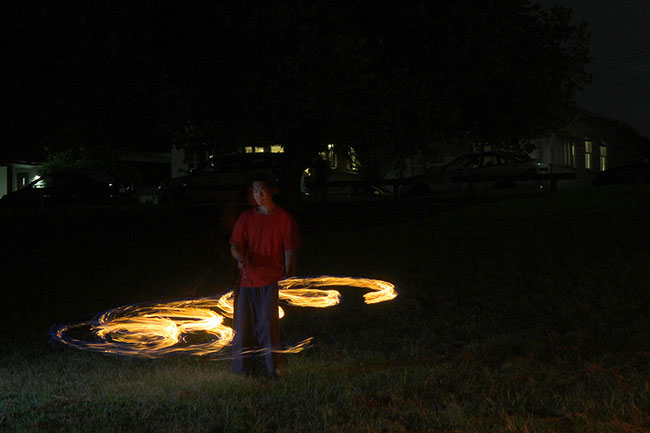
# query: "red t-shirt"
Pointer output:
{"type": "Point", "coordinates": [264, 239]}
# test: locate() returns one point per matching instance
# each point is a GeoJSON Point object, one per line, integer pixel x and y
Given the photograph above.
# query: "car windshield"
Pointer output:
{"type": "Point", "coordinates": [492, 160]}
{"type": "Point", "coordinates": [463, 162]}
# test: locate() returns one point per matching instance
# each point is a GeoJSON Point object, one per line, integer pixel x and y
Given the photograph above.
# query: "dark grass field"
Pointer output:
{"type": "Point", "coordinates": [527, 315]}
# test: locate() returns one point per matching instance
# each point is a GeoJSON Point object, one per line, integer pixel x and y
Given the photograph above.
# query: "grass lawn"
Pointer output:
{"type": "Point", "coordinates": [522, 315]}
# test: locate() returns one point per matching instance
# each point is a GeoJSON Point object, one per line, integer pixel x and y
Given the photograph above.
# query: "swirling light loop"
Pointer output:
{"type": "Point", "coordinates": [195, 326]}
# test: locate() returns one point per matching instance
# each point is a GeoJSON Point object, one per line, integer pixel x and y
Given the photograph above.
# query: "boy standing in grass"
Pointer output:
{"type": "Point", "coordinates": [264, 242]}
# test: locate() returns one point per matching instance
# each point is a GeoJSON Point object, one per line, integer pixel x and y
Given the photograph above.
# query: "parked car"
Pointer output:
{"type": "Point", "coordinates": [490, 169]}
{"type": "Point", "coordinates": [338, 183]}
{"type": "Point", "coordinates": [319, 179]}
{"type": "Point", "coordinates": [70, 188]}
{"type": "Point", "coordinates": [220, 179]}
{"type": "Point", "coordinates": [630, 174]}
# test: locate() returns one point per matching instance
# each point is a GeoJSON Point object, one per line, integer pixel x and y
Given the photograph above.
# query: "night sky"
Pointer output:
{"type": "Point", "coordinates": [620, 48]}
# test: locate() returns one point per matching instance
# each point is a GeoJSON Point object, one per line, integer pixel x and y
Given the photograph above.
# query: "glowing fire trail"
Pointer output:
{"type": "Point", "coordinates": [195, 326]}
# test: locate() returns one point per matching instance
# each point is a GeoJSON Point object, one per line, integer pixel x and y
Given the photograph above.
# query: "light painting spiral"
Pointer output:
{"type": "Point", "coordinates": [196, 326]}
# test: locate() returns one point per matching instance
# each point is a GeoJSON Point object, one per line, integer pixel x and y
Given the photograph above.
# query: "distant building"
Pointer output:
{"type": "Point", "coordinates": [150, 169]}
{"type": "Point", "coordinates": [183, 161]}
{"type": "Point", "coordinates": [590, 143]}
{"type": "Point", "coordinates": [333, 164]}
{"type": "Point", "coordinates": [14, 175]}
{"type": "Point", "coordinates": [587, 144]}
{"type": "Point", "coordinates": [338, 158]}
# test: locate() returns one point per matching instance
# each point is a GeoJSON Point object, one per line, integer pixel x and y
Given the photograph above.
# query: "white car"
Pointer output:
{"type": "Point", "coordinates": [485, 169]}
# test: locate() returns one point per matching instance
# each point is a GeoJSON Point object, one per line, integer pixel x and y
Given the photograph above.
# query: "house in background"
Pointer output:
{"type": "Point", "coordinates": [149, 168]}
{"type": "Point", "coordinates": [591, 143]}
{"type": "Point", "coordinates": [199, 175]}
{"type": "Point", "coordinates": [184, 161]}
{"type": "Point", "coordinates": [338, 159]}
{"type": "Point", "coordinates": [14, 175]}
{"type": "Point", "coordinates": [588, 144]}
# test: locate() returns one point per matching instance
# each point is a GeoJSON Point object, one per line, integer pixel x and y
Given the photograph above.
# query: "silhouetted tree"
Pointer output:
{"type": "Point", "coordinates": [388, 77]}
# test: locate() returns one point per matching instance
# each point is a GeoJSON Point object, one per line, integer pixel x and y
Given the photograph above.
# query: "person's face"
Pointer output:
{"type": "Point", "coordinates": [262, 194]}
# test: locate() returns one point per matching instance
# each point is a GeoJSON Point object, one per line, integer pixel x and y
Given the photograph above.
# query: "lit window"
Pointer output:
{"type": "Point", "coordinates": [573, 154]}
{"type": "Point", "coordinates": [277, 148]}
{"type": "Point", "coordinates": [259, 149]}
{"type": "Point", "coordinates": [588, 155]}
{"type": "Point", "coordinates": [330, 156]}
{"type": "Point", "coordinates": [603, 158]}
{"type": "Point", "coordinates": [22, 179]}
{"type": "Point", "coordinates": [354, 161]}
{"type": "Point", "coordinates": [570, 153]}
{"type": "Point", "coordinates": [248, 149]}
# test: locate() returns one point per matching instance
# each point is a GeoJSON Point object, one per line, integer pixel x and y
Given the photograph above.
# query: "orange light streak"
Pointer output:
{"type": "Point", "coordinates": [195, 326]}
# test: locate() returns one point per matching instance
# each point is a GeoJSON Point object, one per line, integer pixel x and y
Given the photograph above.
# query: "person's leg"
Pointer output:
{"type": "Point", "coordinates": [279, 359]}
{"type": "Point", "coordinates": [243, 339]}
{"type": "Point", "coordinates": [267, 325]}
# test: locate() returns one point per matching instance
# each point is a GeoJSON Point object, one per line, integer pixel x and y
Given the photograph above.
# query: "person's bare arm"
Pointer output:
{"type": "Point", "coordinates": [239, 254]}
{"type": "Point", "coordinates": [290, 263]}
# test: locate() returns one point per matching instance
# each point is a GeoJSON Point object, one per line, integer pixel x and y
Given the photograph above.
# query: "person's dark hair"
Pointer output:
{"type": "Point", "coordinates": [269, 181]}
